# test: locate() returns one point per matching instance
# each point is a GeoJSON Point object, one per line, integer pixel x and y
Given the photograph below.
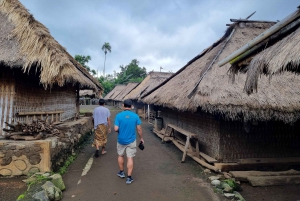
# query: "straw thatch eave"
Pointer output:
{"type": "Point", "coordinates": [283, 56]}
{"type": "Point", "coordinates": [214, 93]}
{"type": "Point", "coordinates": [152, 80]}
{"type": "Point", "coordinates": [115, 92]}
{"type": "Point", "coordinates": [28, 43]}
{"type": "Point", "coordinates": [129, 87]}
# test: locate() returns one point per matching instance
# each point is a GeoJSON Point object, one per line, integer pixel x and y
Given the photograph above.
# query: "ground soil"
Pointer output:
{"type": "Point", "coordinates": [158, 175]}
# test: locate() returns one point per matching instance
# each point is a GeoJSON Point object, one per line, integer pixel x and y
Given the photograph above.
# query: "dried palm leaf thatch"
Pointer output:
{"type": "Point", "coordinates": [29, 44]}
{"type": "Point", "coordinates": [129, 87]}
{"type": "Point", "coordinates": [275, 60]}
{"type": "Point", "coordinates": [89, 92]}
{"type": "Point", "coordinates": [277, 99]}
{"type": "Point", "coordinates": [150, 82]}
{"type": "Point", "coordinates": [115, 92]}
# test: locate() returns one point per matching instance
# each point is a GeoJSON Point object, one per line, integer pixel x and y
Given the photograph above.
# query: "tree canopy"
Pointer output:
{"type": "Point", "coordinates": [83, 60]}
{"type": "Point", "coordinates": [129, 73]}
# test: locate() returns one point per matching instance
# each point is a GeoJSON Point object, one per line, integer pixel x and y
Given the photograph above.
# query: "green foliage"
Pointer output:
{"type": "Point", "coordinates": [20, 197]}
{"type": "Point", "coordinates": [231, 182]}
{"type": "Point", "coordinates": [129, 73]}
{"type": "Point", "coordinates": [68, 162]}
{"type": "Point", "coordinates": [83, 60]}
{"type": "Point", "coordinates": [38, 179]}
{"type": "Point", "coordinates": [106, 48]}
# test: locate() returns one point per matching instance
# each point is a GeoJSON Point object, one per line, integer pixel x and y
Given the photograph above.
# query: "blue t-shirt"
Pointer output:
{"type": "Point", "coordinates": [127, 122]}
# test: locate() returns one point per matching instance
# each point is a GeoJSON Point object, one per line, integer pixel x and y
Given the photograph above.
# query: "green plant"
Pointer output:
{"type": "Point", "coordinates": [68, 162]}
{"type": "Point", "coordinates": [231, 182]}
{"type": "Point", "coordinates": [21, 197]}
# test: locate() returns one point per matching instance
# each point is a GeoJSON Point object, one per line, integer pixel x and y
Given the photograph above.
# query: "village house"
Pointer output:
{"type": "Point", "coordinates": [110, 97]}
{"type": "Point", "coordinates": [236, 130]}
{"type": "Point", "coordinates": [120, 98]}
{"type": "Point", "coordinates": [152, 80]}
{"type": "Point", "coordinates": [39, 79]}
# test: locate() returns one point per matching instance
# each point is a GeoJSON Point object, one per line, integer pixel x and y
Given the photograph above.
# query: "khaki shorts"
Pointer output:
{"type": "Point", "coordinates": [129, 148]}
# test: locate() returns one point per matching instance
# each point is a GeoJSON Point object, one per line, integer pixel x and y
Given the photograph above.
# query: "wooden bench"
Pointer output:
{"type": "Point", "coordinates": [170, 132]}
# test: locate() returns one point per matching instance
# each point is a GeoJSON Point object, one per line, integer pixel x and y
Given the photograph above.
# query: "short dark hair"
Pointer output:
{"type": "Point", "coordinates": [101, 102]}
{"type": "Point", "coordinates": [127, 103]}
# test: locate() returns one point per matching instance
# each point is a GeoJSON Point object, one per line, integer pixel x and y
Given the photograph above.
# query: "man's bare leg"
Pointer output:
{"type": "Point", "coordinates": [129, 165]}
{"type": "Point", "coordinates": [121, 162]}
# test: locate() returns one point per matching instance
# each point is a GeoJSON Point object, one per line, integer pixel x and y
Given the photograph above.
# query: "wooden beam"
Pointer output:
{"type": "Point", "coordinates": [243, 175]}
{"type": "Point", "coordinates": [269, 160]}
{"type": "Point", "coordinates": [38, 113]}
{"type": "Point", "coordinates": [274, 180]}
{"type": "Point", "coordinates": [208, 158]}
{"type": "Point", "coordinates": [244, 20]}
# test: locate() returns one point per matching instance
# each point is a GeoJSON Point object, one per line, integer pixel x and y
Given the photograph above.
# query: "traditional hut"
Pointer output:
{"type": "Point", "coordinates": [120, 98]}
{"type": "Point", "coordinates": [89, 97]}
{"type": "Point", "coordinates": [37, 75]}
{"type": "Point", "coordinates": [275, 52]}
{"type": "Point", "coordinates": [231, 126]}
{"type": "Point", "coordinates": [110, 97]}
{"type": "Point", "coordinates": [152, 80]}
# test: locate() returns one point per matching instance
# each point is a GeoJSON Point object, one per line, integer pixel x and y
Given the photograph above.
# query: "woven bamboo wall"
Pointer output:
{"type": "Point", "coordinates": [205, 125]}
{"type": "Point", "coordinates": [7, 92]}
{"type": "Point", "coordinates": [263, 140]}
{"type": "Point", "coordinates": [32, 97]}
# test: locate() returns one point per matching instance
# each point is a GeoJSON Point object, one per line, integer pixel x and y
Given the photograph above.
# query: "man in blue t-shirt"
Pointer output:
{"type": "Point", "coordinates": [126, 123]}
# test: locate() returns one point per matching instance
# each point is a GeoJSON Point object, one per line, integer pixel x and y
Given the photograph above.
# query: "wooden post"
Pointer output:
{"type": "Point", "coordinates": [197, 148]}
{"type": "Point", "coordinates": [77, 98]}
{"type": "Point", "coordinates": [185, 148]}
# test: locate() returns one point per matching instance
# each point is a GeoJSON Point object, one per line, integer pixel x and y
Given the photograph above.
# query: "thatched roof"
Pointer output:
{"type": "Point", "coordinates": [151, 81]}
{"type": "Point", "coordinates": [277, 100]}
{"type": "Point", "coordinates": [129, 87]}
{"type": "Point", "coordinates": [26, 43]}
{"type": "Point", "coordinates": [115, 92]}
{"type": "Point", "coordinates": [280, 52]}
{"type": "Point", "coordinates": [89, 92]}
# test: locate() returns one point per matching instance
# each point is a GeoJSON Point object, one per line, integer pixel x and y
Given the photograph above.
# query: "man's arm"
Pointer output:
{"type": "Point", "coordinates": [116, 128]}
{"type": "Point", "coordinates": [140, 132]}
{"type": "Point", "coordinates": [108, 124]}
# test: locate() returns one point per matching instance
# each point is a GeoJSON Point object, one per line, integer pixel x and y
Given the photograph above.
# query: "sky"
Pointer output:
{"type": "Point", "coordinates": [158, 33]}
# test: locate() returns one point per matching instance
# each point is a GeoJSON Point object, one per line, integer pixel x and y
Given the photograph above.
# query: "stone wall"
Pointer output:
{"type": "Point", "coordinates": [26, 157]}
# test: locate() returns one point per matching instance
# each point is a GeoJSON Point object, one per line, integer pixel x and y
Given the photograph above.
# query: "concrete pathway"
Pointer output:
{"type": "Point", "coordinates": [158, 174]}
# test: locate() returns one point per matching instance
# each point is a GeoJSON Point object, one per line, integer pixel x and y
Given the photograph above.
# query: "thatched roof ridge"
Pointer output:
{"type": "Point", "coordinates": [115, 92]}
{"type": "Point", "coordinates": [28, 44]}
{"type": "Point", "coordinates": [152, 80]}
{"type": "Point", "coordinates": [129, 87]}
{"type": "Point", "coordinates": [278, 100]}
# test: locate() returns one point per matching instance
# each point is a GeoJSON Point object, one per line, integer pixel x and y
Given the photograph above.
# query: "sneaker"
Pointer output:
{"type": "Point", "coordinates": [97, 154]}
{"type": "Point", "coordinates": [121, 174]}
{"type": "Point", "coordinates": [129, 180]}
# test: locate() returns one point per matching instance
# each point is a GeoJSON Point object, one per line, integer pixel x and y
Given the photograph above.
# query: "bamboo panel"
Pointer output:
{"type": "Point", "coordinates": [32, 99]}
{"type": "Point", "coordinates": [6, 99]}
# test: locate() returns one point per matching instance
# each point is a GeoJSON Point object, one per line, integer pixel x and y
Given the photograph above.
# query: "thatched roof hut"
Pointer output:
{"type": "Point", "coordinates": [115, 92]}
{"type": "Point", "coordinates": [276, 55]}
{"type": "Point", "coordinates": [129, 87]}
{"type": "Point", "coordinates": [89, 92]}
{"type": "Point", "coordinates": [29, 45]}
{"type": "Point", "coordinates": [151, 81]}
{"type": "Point", "coordinates": [202, 84]}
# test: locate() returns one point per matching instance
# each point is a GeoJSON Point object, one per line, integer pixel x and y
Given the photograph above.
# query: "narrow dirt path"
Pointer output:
{"type": "Point", "coordinates": [158, 174]}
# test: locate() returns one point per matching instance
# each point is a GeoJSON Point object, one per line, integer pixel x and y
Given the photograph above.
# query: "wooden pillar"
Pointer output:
{"type": "Point", "coordinates": [77, 98]}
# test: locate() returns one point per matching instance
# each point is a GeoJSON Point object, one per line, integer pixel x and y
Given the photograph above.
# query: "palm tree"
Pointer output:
{"type": "Point", "coordinates": [106, 47]}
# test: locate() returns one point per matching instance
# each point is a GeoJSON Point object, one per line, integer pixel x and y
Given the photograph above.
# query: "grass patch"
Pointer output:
{"type": "Point", "coordinates": [62, 170]}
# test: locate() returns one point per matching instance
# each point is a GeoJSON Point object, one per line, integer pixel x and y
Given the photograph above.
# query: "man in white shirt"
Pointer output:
{"type": "Point", "coordinates": [101, 119]}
